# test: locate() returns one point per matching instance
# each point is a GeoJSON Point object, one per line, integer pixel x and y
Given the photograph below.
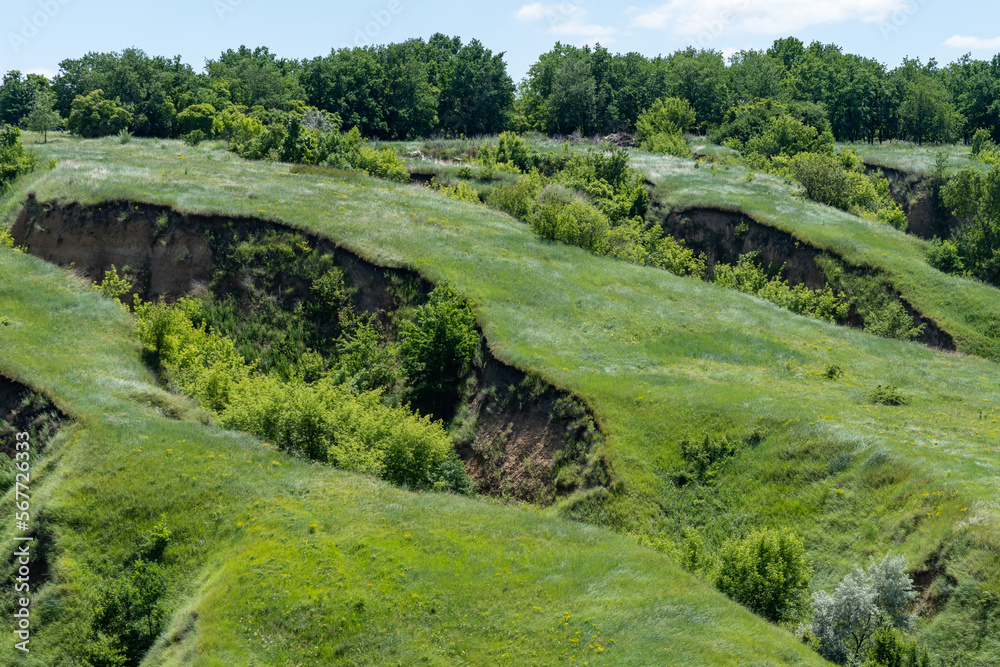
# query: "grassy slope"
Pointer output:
{"type": "Point", "coordinates": [660, 358]}
{"type": "Point", "coordinates": [967, 309]}
{"type": "Point", "coordinates": [914, 159]}
{"type": "Point", "coordinates": [283, 562]}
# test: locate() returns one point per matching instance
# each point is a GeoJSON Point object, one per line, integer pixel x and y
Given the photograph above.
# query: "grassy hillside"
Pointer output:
{"type": "Point", "coordinates": [276, 561]}
{"type": "Point", "coordinates": [659, 358]}
{"type": "Point", "coordinates": [969, 310]}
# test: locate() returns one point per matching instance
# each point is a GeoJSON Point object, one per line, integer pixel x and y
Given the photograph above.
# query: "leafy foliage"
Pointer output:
{"type": "Point", "coordinates": [323, 421]}
{"type": "Point", "coordinates": [14, 159]}
{"type": "Point", "coordinates": [767, 572]}
{"type": "Point", "coordinates": [659, 129]}
{"type": "Point", "coordinates": [437, 349]}
{"type": "Point", "coordinates": [866, 603]}
{"type": "Point", "coordinates": [748, 277]}
{"type": "Point", "coordinates": [94, 116]}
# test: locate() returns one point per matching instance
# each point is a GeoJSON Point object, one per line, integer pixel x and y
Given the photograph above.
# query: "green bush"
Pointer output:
{"type": "Point", "coordinates": [887, 394]}
{"type": "Point", "coordinates": [14, 159]}
{"type": "Point", "coordinates": [196, 117]}
{"type": "Point", "coordinates": [562, 217]}
{"type": "Point", "coordinates": [194, 137]}
{"type": "Point", "coordinates": [659, 129]}
{"type": "Point", "coordinates": [982, 141]}
{"type": "Point", "coordinates": [746, 276]}
{"type": "Point", "coordinates": [437, 349]}
{"type": "Point", "coordinates": [94, 116]}
{"type": "Point", "coordinates": [364, 364]}
{"type": "Point", "coordinates": [766, 572]}
{"type": "Point", "coordinates": [891, 321]}
{"type": "Point", "coordinates": [128, 616]}
{"type": "Point", "coordinates": [380, 163]}
{"type": "Point", "coordinates": [666, 144]}
{"type": "Point", "coordinates": [840, 181]}
{"type": "Point", "coordinates": [517, 199]}
{"type": "Point", "coordinates": [670, 254]}
{"type": "Point", "coordinates": [944, 256]}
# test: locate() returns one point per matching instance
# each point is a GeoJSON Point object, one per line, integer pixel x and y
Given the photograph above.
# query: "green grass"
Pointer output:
{"type": "Point", "coordinates": [967, 309]}
{"type": "Point", "coordinates": [658, 357]}
{"type": "Point", "coordinates": [912, 158]}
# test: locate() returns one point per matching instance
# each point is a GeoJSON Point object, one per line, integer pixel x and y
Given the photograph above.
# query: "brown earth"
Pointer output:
{"type": "Point", "coordinates": [529, 440]}
{"type": "Point", "coordinates": [914, 193]}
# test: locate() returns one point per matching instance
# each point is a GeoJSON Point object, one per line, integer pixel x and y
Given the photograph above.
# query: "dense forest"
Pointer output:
{"type": "Point", "coordinates": [444, 87]}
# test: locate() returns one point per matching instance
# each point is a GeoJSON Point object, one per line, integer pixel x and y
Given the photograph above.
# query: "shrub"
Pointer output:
{"type": "Point", "coordinates": [14, 159]}
{"type": "Point", "coordinates": [660, 128]}
{"type": "Point", "coordinates": [517, 199]}
{"type": "Point", "coordinates": [750, 278]}
{"type": "Point", "coordinates": [364, 363]}
{"type": "Point", "coordinates": [944, 256]}
{"type": "Point", "coordinates": [196, 117]}
{"type": "Point", "coordinates": [891, 321]}
{"type": "Point", "coordinates": [512, 149]}
{"type": "Point", "coordinates": [670, 254]}
{"type": "Point", "coordinates": [671, 115]}
{"type": "Point", "coordinates": [437, 349]}
{"type": "Point", "coordinates": [324, 421]}
{"type": "Point", "coordinates": [887, 394]}
{"type": "Point", "coordinates": [128, 615]}
{"type": "Point", "coordinates": [114, 286]}
{"type": "Point", "coordinates": [666, 144]}
{"type": "Point", "coordinates": [982, 141]}
{"type": "Point", "coordinates": [766, 572]}
{"type": "Point", "coordinates": [462, 191]}
{"type": "Point", "coordinates": [194, 137]}
{"type": "Point", "coordinates": [561, 217]}
{"type": "Point", "coordinates": [866, 603]}
{"type": "Point", "coordinates": [94, 116]}
{"type": "Point", "coordinates": [380, 163]}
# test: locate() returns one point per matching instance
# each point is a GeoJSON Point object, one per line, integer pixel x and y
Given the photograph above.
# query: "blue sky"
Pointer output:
{"type": "Point", "coordinates": [37, 34]}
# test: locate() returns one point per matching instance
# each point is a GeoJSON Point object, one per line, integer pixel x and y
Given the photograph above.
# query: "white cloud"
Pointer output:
{"type": "Point", "coordinates": [972, 43]}
{"type": "Point", "coordinates": [761, 16]}
{"type": "Point", "coordinates": [565, 20]}
{"type": "Point", "coordinates": [537, 11]}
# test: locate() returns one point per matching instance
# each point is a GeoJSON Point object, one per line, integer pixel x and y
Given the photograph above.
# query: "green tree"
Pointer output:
{"type": "Point", "coordinates": [701, 78]}
{"type": "Point", "coordinates": [477, 94]}
{"type": "Point", "coordinates": [754, 75]}
{"type": "Point", "coordinates": [94, 116]}
{"type": "Point", "coordinates": [766, 572]}
{"type": "Point", "coordinates": [130, 612]}
{"type": "Point", "coordinates": [927, 113]}
{"type": "Point", "coordinates": [257, 77]}
{"type": "Point", "coordinates": [867, 602]}
{"type": "Point", "coordinates": [437, 349]}
{"type": "Point", "coordinates": [43, 116]}
{"type": "Point", "coordinates": [196, 117]}
{"type": "Point", "coordinates": [17, 96]}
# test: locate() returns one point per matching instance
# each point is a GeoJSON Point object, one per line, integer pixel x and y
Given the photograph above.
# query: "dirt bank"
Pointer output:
{"type": "Point", "coordinates": [915, 193]}
{"type": "Point", "coordinates": [725, 235]}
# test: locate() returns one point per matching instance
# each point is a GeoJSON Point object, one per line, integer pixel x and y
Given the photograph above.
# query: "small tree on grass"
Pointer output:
{"type": "Point", "coordinates": [868, 603]}
{"type": "Point", "coordinates": [43, 116]}
{"type": "Point", "coordinates": [437, 348]}
{"type": "Point", "coordinates": [766, 572]}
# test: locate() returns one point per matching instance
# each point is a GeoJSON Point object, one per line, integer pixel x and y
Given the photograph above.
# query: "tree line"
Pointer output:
{"type": "Point", "coordinates": [445, 87]}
